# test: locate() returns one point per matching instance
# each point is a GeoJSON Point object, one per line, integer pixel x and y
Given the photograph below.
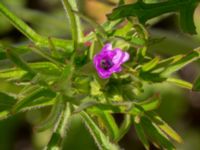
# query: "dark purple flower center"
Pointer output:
{"type": "Point", "coordinates": [106, 64]}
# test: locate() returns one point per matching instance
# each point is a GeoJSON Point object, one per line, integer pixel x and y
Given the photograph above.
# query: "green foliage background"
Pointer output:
{"type": "Point", "coordinates": [179, 107]}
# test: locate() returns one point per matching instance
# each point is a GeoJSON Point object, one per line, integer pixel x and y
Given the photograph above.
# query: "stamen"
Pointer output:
{"type": "Point", "coordinates": [106, 64]}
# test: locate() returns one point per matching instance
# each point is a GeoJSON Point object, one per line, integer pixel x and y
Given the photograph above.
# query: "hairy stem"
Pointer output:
{"type": "Point", "coordinates": [74, 21]}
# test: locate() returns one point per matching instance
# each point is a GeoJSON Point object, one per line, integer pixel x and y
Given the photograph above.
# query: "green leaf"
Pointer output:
{"type": "Point", "coordinates": [12, 73]}
{"type": "Point", "coordinates": [143, 10]}
{"type": "Point", "coordinates": [60, 128]}
{"type": "Point", "coordinates": [2, 52]}
{"type": "Point", "coordinates": [45, 68]}
{"type": "Point", "coordinates": [53, 117]}
{"type": "Point", "coordinates": [27, 89]}
{"type": "Point", "coordinates": [150, 76]}
{"type": "Point", "coordinates": [151, 103]}
{"type": "Point", "coordinates": [123, 31]}
{"type": "Point", "coordinates": [38, 103]}
{"type": "Point", "coordinates": [63, 82]}
{"type": "Point", "coordinates": [19, 62]}
{"type": "Point", "coordinates": [170, 65]}
{"type": "Point", "coordinates": [6, 104]}
{"type": "Point", "coordinates": [141, 134]}
{"type": "Point", "coordinates": [65, 45]}
{"type": "Point", "coordinates": [109, 123]}
{"type": "Point", "coordinates": [19, 49]}
{"type": "Point", "coordinates": [166, 62]}
{"type": "Point", "coordinates": [146, 11]}
{"type": "Point", "coordinates": [196, 85]}
{"type": "Point", "coordinates": [151, 64]}
{"type": "Point", "coordinates": [38, 98]}
{"type": "Point", "coordinates": [100, 138]}
{"type": "Point", "coordinates": [133, 34]}
{"type": "Point", "coordinates": [95, 107]}
{"type": "Point", "coordinates": [155, 134]}
{"type": "Point", "coordinates": [124, 127]}
{"type": "Point", "coordinates": [43, 54]}
{"type": "Point", "coordinates": [2, 55]}
{"type": "Point", "coordinates": [180, 83]}
{"type": "Point", "coordinates": [120, 107]}
{"type": "Point", "coordinates": [187, 19]}
{"type": "Point", "coordinates": [109, 27]}
{"type": "Point", "coordinates": [4, 114]}
{"type": "Point", "coordinates": [137, 41]}
{"type": "Point", "coordinates": [95, 88]}
{"type": "Point", "coordinates": [164, 126]}
{"type": "Point", "coordinates": [179, 64]}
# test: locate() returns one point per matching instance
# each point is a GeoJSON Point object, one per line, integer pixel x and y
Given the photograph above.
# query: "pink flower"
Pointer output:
{"type": "Point", "coordinates": [109, 61]}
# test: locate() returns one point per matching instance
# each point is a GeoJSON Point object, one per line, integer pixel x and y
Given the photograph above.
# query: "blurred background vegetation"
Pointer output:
{"type": "Point", "coordinates": [179, 107]}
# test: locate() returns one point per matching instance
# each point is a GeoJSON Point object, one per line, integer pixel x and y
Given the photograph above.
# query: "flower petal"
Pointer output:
{"type": "Point", "coordinates": [97, 59]}
{"type": "Point", "coordinates": [126, 57]}
{"type": "Point", "coordinates": [107, 47]}
{"type": "Point", "coordinates": [115, 68]}
{"type": "Point", "coordinates": [115, 57]}
{"type": "Point", "coordinates": [104, 74]}
{"type": "Point", "coordinates": [119, 54]}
